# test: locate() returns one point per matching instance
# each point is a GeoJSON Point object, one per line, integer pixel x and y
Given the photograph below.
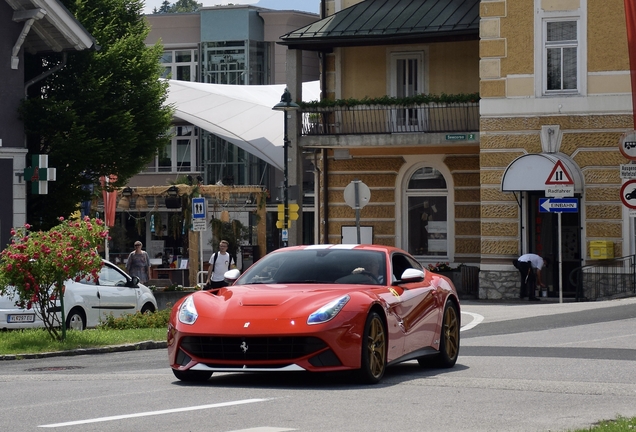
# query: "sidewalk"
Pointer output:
{"type": "Point", "coordinates": [500, 310]}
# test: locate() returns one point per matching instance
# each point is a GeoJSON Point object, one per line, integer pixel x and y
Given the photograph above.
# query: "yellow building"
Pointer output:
{"type": "Point", "coordinates": [456, 180]}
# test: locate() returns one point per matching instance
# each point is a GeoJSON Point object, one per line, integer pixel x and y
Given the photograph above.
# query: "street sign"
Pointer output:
{"type": "Point", "coordinates": [559, 205]}
{"type": "Point", "coordinates": [199, 225]}
{"type": "Point", "coordinates": [627, 145]}
{"type": "Point", "coordinates": [559, 175]}
{"type": "Point", "coordinates": [628, 171]}
{"type": "Point", "coordinates": [628, 194]}
{"type": "Point", "coordinates": [198, 208]}
{"type": "Point", "coordinates": [460, 137]}
{"type": "Point", "coordinates": [285, 235]}
{"type": "Point", "coordinates": [363, 194]}
{"type": "Point", "coordinates": [559, 191]}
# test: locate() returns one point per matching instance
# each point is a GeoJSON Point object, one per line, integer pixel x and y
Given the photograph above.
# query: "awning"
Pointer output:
{"type": "Point", "coordinates": [373, 22]}
{"type": "Point", "coordinates": [240, 114]}
{"type": "Point", "coordinates": [530, 172]}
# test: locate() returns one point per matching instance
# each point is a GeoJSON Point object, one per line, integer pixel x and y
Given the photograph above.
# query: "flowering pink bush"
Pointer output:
{"type": "Point", "coordinates": [36, 264]}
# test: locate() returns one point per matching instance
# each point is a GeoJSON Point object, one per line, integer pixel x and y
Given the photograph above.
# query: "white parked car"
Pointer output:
{"type": "Point", "coordinates": [87, 303]}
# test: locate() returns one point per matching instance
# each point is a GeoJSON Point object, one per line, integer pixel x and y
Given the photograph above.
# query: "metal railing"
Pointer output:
{"type": "Point", "coordinates": [390, 119]}
{"type": "Point", "coordinates": [605, 280]}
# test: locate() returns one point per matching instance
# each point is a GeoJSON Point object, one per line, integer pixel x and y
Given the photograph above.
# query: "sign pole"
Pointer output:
{"type": "Point", "coordinates": [560, 261]}
{"type": "Point", "coordinates": [357, 199]}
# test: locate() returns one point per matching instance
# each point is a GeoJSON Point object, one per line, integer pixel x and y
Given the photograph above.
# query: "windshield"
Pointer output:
{"type": "Point", "coordinates": [318, 266]}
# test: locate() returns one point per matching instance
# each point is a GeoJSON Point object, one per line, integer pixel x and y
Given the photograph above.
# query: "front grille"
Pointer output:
{"type": "Point", "coordinates": [251, 348]}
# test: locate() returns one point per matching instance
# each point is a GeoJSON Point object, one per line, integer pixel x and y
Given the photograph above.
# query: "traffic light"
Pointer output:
{"type": "Point", "coordinates": [292, 215]}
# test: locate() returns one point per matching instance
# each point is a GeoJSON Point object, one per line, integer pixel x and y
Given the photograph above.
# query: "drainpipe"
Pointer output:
{"type": "Point", "coordinates": [325, 200]}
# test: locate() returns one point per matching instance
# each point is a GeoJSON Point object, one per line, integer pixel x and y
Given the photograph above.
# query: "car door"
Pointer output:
{"type": "Point", "coordinates": [116, 296]}
{"type": "Point", "coordinates": [417, 306]}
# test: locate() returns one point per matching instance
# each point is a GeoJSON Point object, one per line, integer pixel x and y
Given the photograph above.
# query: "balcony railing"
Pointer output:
{"type": "Point", "coordinates": [391, 119]}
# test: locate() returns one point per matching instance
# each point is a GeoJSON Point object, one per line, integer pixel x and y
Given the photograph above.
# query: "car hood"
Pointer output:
{"type": "Point", "coordinates": [272, 301]}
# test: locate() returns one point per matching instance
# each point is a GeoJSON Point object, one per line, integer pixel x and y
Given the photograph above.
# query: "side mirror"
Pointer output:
{"type": "Point", "coordinates": [135, 281]}
{"type": "Point", "coordinates": [232, 275]}
{"type": "Point", "coordinates": [412, 275]}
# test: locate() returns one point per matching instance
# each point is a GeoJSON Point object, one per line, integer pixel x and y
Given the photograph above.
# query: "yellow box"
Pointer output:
{"type": "Point", "coordinates": [601, 249]}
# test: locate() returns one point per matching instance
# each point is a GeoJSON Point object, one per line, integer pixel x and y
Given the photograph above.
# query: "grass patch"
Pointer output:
{"type": "Point", "coordinates": [621, 424]}
{"type": "Point", "coordinates": [114, 331]}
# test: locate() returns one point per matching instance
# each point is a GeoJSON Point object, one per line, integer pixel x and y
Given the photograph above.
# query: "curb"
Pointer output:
{"type": "Point", "coordinates": [146, 345]}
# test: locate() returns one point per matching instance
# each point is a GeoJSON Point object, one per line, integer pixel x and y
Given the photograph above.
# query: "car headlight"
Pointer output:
{"type": "Point", "coordinates": [187, 312]}
{"type": "Point", "coordinates": [328, 311]}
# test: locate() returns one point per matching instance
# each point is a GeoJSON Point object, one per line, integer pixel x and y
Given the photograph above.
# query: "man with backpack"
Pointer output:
{"type": "Point", "coordinates": [220, 262]}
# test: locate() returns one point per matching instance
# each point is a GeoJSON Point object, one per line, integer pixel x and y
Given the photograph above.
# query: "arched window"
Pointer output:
{"type": "Point", "coordinates": [427, 196]}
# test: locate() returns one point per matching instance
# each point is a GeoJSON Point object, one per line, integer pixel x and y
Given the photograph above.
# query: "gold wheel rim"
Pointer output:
{"type": "Point", "coordinates": [451, 332]}
{"type": "Point", "coordinates": [376, 347]}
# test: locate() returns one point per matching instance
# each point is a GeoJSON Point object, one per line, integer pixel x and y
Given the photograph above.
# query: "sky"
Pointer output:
{"type": "Point", "coordinates": [299, 5]}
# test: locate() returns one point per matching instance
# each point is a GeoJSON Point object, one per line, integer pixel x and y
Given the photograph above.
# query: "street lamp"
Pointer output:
{"type": "Point", "coordinates": [285, 105]}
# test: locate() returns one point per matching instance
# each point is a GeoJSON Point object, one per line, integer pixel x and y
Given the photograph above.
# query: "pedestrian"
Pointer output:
{"type": "Point", "coordinates": [530, 266]}
{"type": "Point", "coordinates": [220, 262]}
{"type": "Point", "coordinates": [138, 263]}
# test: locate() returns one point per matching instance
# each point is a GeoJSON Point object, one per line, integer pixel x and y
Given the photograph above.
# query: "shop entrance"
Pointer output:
{"type": "Point", "coordinates": [543, 237]}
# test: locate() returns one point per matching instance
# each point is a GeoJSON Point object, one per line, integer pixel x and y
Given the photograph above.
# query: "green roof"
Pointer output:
{"type": "Point", "coordinates": [375, 22]}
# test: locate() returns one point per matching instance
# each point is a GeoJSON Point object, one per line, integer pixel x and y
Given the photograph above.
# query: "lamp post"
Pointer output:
{"type": "Point", "coordinates": [285, 105]}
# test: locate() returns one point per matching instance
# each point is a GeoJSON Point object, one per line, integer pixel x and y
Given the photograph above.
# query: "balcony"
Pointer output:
{"type": "Point", "coordinates": [363, 119]}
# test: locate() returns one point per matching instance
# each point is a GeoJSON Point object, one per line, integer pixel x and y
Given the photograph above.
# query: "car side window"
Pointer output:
{"type": "Point", "coordinates": [109, 276]}
{"type": "Point", "coordinates": [402, 262]}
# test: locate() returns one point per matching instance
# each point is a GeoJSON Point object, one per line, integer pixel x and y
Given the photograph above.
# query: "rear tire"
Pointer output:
{"type": "Point", "coordinates": [147, 308]}
{"type": "Point", "coordinates": [449, 340]}
{"type": "Point", "coordinates": [192, 376]}
{"type": "Point", "coordinates": [373, 360]}
{"type": "Point", "coordinates": [76, 320]}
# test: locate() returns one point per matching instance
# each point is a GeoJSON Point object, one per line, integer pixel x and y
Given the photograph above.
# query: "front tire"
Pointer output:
{"type": "Point", "coordinates": [373, 361]}
{"type": "Point", "coordinates": [192, 376]}
{"type": "Point", "coordinates": [76, 320]}
{"type": "Point", "coordinates": [449, 339]}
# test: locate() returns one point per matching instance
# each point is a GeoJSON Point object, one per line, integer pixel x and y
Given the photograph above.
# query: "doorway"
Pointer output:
{"type": "Point", "coordinates": [543, 238]}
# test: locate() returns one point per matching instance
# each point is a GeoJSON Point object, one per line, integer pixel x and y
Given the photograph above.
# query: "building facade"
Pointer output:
{"type": "Point", "coordinates": [554, 99]}
{"type": "Point", "coordinates": [228, 45]}
{"type": "Point", "coordinates": [29, 27]}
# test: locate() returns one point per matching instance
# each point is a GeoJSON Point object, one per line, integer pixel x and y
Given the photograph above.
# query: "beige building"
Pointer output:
{"type": "Point", "coordinates": [555, 98]}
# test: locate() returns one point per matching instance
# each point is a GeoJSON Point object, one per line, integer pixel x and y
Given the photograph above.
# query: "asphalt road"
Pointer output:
{"type": "Point", "coordinates": [522, 367]}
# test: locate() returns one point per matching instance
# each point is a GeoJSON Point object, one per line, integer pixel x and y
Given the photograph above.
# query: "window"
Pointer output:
{"type": "Point", "coordinates": [561, 56]}
{"type": "Point", "coordinates": [180, 154]}
{"type": "Point", "coordinates": [235, 62]}
{"type": "Point", "coordinates": [180, 64]}
{"type": "Point", "coordinates": [427, 197]}
{"type": "Point", "coordinates": [407, 79]}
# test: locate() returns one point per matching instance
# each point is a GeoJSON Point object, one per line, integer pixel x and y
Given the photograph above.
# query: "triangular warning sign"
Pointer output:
{"type": "Point", "coordinates": [559, 175]}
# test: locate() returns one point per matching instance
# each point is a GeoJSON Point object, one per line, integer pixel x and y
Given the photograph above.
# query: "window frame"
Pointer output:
{"type": "Point", "coordinates": [434, 193]}
{"type": "Point", "coordinates": [542, 17]}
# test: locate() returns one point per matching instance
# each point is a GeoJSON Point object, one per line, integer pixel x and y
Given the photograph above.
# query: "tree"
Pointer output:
{"type": "Point", "coordinates": [103, 113]}
{"type": "Point", "coordinates": [181, 6]}
{"type": "Point", "coordinates": [36, 265]}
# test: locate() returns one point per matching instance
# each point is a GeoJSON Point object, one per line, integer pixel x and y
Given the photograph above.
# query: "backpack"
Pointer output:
{"type": "Point", "coordinates": [229, 264]}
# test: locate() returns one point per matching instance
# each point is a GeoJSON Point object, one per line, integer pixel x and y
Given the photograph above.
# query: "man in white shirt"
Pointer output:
{"type": "Point", "coordinates": [220, 262]}
{"type": "Point", "coordinates": [530, 266]}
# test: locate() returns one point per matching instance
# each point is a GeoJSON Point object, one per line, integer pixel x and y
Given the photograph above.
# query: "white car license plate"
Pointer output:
{"type": "Point", "coordinates": [21, 318]}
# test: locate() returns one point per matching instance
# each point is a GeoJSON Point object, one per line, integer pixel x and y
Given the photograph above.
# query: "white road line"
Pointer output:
{"type": "Point", "coordinates": [477, 319]}
{"type": "Point", "coordinates": [153, 413]}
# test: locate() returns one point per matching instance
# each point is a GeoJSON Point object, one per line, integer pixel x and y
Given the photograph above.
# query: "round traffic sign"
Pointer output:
{"type": "Point", "coordinates": [364, 194]}
{"type": "Point", "coordinates": [628, 194]}
{"type": "Point", "coordinates": [627, 145]}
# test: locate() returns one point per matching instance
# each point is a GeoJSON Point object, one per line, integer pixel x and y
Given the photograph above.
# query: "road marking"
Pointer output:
{"type": "Point", "coordinates": [153, 413]}
{"type": "Point", "coordinates": [477, 319]}
{"type": "Point", "coordinates": [265, 429]}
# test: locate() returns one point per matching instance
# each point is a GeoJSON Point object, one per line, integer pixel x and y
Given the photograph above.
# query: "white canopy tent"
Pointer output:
{"type": "Point", "coordinates": [240, 114]}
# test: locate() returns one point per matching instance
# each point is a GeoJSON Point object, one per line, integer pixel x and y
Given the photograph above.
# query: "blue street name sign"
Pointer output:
{"type": "Point", "coordinates": [198, 208]}
{"type": "Point", "coordinates": [559, 205]}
